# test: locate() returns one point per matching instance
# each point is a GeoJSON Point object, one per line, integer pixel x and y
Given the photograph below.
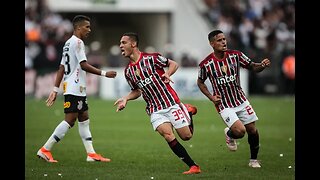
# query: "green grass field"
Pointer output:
{"type": "Point", "coordinates": [137, 152]}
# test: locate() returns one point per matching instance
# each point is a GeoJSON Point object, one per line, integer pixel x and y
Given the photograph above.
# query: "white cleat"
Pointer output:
{"type": "Point", "coordinates": [254, 163]}
{"type": "Point", "coordinates": [231, 143]}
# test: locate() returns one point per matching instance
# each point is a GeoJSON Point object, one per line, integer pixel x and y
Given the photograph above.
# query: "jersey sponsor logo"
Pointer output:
{"type": "Point", "coordinates": [226, 79]}
{"type": "Point", "coordinates": [65, 86]}
{"type": "Point", "coordinates": [77, 76]}
{"type": "Point", "coordinates": [145, 82]}
{"type": "Point", "coordinates": [66, 105]}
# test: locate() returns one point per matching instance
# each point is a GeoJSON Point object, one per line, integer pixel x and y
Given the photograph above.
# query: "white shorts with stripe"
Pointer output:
{"type": "Point", "coordinates": [177, 115]}
{"type": "Point", "coordinates": [243, 112]}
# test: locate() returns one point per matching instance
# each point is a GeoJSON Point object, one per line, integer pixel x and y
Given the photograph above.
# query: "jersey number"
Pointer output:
{"type": "Point", "coordinates": [67, 64]}
{"type": "Point", "coordinates": [249, 110]}
{"type": "Point", "coordinates": [178, 114]}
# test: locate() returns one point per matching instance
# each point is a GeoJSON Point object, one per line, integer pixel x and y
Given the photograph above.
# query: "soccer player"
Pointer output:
{"type": "Point", "coordinates": [222, 67]}
{"type": "Point", "coordinates": [146, 76]}
{"type": "Point", "coordinates": [72, 70]}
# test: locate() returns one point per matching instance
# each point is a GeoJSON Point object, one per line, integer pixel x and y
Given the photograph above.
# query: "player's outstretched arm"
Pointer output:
{"type": "Point", "coordinates": [93, 70]}
{"type": "Point", "coordinates": [122, 102]}
{"type": "Point", "coordinates": [258, 67]}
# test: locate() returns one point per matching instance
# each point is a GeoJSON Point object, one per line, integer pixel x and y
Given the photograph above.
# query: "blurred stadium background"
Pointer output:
{"type": "Point", "coordinates": [176, 28]}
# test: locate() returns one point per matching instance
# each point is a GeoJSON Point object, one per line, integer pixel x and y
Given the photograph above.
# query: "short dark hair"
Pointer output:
{"type": "Point", "coordinates": [212, 34]}
{"type": "Point", "coordinates": [133, 36]}
{"type": "Point", "coordinates": [78, 19]}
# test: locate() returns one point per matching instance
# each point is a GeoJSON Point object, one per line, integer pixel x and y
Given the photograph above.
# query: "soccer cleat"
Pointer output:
{"type": "Point", "coordinates": [254, 163]}
{"type": "Point", "coordinates": [46, 155]}
{"type": "Point", "coordinates": [96, 157]}
{"type": "Point", "coordinates": [195, 169]}
{"type": "Point", "coordinates": [231, 143]}
{"type": "Point", "coordinates": [191, 109]}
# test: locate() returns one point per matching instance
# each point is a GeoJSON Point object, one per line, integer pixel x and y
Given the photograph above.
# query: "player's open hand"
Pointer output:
{"type": "Point", "coordinates": [51, 99]}
{"type": "Point", "coordinates": [121, 104]}
{"type": "Point", "coordinates": [166, 78]}
{"type": "Point", "coordinates": [111, 74]}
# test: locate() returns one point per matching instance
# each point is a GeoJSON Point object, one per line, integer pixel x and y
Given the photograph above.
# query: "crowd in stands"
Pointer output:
{"type": "Point", "coordinates": [259, 28]}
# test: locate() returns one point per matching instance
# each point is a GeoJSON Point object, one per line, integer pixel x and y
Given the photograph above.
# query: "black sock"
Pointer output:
{"type": "Point", "coordinates": [230, 134]}
{"type": "Point", "coordinates": [181, 152]}
{"type": "Point", "coordinates": [191, 123]}
{"type": "Point", "coordinates": [253, 140]}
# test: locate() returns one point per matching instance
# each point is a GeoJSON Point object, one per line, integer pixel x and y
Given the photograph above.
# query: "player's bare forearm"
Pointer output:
{"type": "Point", "coordinates": [258, 67]}
{"type": "Point", "coordinates": [59, 76]}
{"type": "Point", "coordinates": [134, 94]}
{"type": "Point", "coordinates": [122, 102]}
{"type": "Point", "coordinates": [204, 89]}
{"type": "Point", "coordinates": [93, 70]}
{"type": "Point", "coordinates": [173, 66]}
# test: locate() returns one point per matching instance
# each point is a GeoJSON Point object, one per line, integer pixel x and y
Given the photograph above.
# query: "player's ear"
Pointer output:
{"type": "Point", "coordinates": [134, 44]}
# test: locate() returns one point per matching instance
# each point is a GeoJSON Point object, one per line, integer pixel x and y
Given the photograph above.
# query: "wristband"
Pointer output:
{"type": "Point", "coordinates": [55, 89]}
{"type": "Point", "coordinates": [103, 73]}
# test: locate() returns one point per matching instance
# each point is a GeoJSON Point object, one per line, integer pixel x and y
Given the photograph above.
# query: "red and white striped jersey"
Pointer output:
{"type": "Point", "coordinates": [224, 75]}
{"type": "Point", "coordinates": [145, 75]}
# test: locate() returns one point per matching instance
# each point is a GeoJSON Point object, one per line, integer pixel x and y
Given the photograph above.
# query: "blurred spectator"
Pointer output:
{"type": "Point", "coordinates": [94, 55]}
{"type": "Point", "coordinates": [288, 70]}
{"type": "Point", "coordinates": [149, 49]}
{"type": "Point", "coordinates": [114, 57]}
{"type": "Point", "coordinates": [188, 61]}
{"type": "Point", "coordinates": [258, 27]}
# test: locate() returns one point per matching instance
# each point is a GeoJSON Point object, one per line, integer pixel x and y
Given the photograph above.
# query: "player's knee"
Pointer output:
{"type": "Point", "coordinates": [168, 136]}
{"type": "Point", "coordinates": [239, 133]}
{"type": "Point", "coordinates": [186, 137]}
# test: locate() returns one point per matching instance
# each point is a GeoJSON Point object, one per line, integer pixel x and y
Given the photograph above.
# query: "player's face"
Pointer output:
{"type": "Point", "coordinates": [85, 29]}
{"type": "Point", "coordinates": [126, 46]}
{"type": "Point", "coordinates": [219, 43]}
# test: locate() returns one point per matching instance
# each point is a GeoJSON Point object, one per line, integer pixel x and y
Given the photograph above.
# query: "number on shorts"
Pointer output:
{"type": "Point", "coordinates": [177, 114]}
{"type": "Point", "coordinates": [249, 110]}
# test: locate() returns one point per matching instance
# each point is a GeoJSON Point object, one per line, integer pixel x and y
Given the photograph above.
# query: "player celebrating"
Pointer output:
{"type": "Point", "coordinates": [222, 67]}
{"type": "Point", "coordinates": [145, 75]}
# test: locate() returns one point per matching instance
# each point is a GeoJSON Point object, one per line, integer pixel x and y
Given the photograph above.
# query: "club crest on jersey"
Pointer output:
{"type": "Point", "coordinates": [224, 68]}
{"type": "Point", "coordinates": [137, 72]}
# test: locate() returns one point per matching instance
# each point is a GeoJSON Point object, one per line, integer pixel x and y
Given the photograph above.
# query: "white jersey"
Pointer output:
{"type": "Point", "coordinates": [74, 80]}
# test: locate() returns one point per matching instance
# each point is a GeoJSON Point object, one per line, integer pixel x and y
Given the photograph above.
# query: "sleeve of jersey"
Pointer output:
{"type": "Point", "coordinates": [244, 61]}
{"type": "Point", "coordinates": [202, 73]}
{"type": "Point", "coordinates": [161, 61]}
{"type": "Point", "coordinates": [80, 51]}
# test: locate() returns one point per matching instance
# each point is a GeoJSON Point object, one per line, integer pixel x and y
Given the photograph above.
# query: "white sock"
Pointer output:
{"type": "Point", "coordinates": [57, 134]}
{"type": "Point", "coordinates": [85, 135]}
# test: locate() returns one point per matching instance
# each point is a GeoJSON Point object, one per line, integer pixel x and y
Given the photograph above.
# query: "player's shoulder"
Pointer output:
{"type": "Point", "coordinates": [151, 54]}
{"type": "Point", "coordinates": [206, 59]}
{"type": "Point", "coordinates": [233, 51]}
{"type": "Point", "coordinates": [74, 40]}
